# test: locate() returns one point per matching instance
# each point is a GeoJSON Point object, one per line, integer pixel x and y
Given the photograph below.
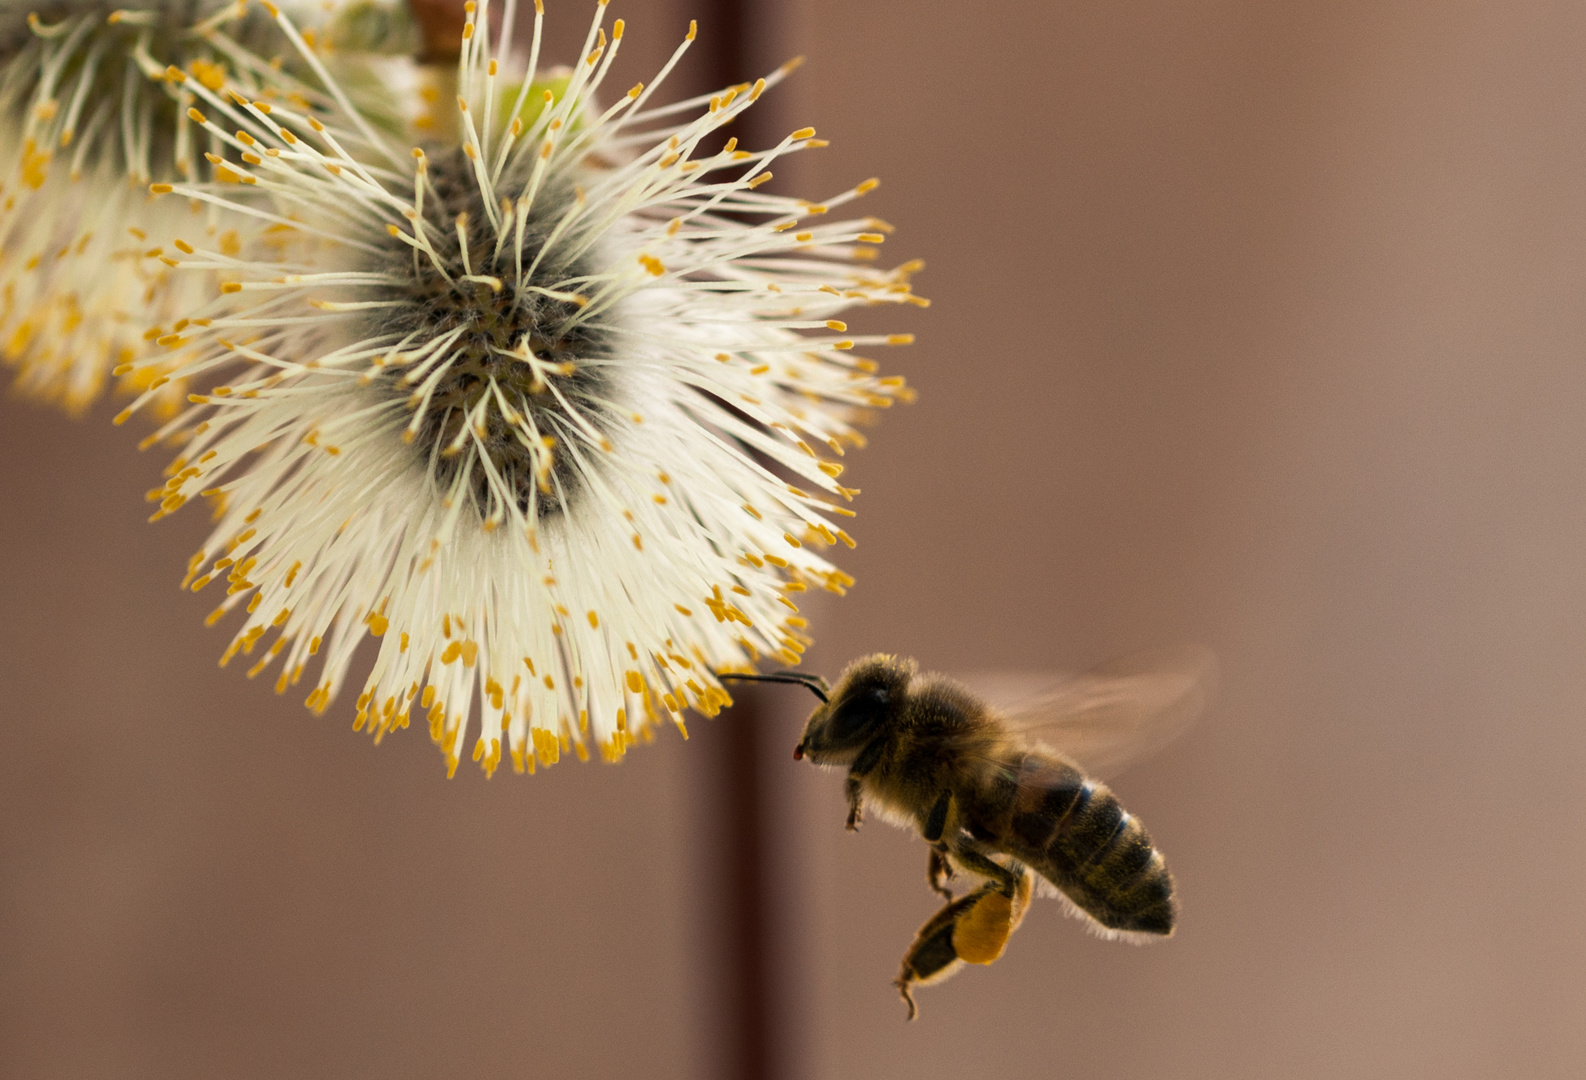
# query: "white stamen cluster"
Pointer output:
{"type": "Point", "coordinates": [78, 290]}
{"type": "Point", "coordinates": [93, 107]}
{"type": "Point", "coordinates": [542, 407]}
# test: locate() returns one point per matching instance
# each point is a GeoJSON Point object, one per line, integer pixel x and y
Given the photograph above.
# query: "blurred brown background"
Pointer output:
{"type": "Point", "coordinates": [1256, 324]}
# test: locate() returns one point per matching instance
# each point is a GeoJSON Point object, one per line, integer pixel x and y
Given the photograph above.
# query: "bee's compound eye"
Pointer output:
{"type": "Point", "coordinates": [859, 713]}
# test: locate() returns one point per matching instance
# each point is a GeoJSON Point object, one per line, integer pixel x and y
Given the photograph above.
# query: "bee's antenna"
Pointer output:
{"type": "Point", "coordinates": [813, 683]}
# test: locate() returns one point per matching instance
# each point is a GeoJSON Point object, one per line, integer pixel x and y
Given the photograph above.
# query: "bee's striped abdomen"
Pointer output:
{"type": "Point", "coordinates": [1075, 833]}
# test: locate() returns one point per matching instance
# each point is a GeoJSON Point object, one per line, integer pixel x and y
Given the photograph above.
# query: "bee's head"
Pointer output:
{"type": "Point", "coordinates": [865, 700]}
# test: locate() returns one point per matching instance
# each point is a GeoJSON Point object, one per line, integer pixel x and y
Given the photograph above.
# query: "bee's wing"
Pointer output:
{"type": "Point", "coordinates": [1110, 716]}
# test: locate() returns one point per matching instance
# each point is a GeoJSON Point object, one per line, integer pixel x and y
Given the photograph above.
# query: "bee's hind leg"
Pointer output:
{"type": "Point", "coordinates": [902, 983]}
{"type": "Point", "coordinates": [937, 870]}
{"type": "Point", "coordinates": [972, 859]}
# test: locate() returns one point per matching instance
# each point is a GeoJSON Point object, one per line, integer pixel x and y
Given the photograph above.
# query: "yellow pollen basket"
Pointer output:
{"type": "Point", "coordinates": [982, 933]}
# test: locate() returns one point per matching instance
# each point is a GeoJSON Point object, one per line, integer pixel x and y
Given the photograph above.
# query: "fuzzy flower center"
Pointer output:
{"type": "Point", "coordinates": [518, 364]}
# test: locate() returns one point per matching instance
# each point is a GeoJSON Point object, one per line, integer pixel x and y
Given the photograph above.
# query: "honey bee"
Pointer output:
{"type": "Point", "coordinates": [994, 795]}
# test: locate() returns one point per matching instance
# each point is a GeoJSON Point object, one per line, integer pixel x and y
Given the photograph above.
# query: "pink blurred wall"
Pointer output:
{"type": "Point", "coordinates": [1256, 324]}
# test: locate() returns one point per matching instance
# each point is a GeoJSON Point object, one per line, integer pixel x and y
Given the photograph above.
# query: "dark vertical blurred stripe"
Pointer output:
{"type": "Point", "coordinates": [727, 32]}
{"type": "Point", "coordinates": [744, 997]}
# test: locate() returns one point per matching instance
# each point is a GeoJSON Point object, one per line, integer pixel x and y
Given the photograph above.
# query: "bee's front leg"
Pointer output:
{"type": "Point", "coordinates": [867, 760]}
